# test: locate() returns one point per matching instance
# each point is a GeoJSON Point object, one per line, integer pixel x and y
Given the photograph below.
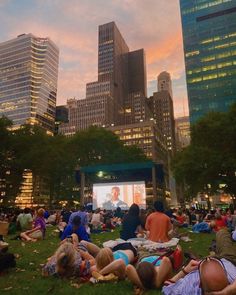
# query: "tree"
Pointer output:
{"type": "Point", "coordinates": [210, 160]}
{"type": "Point", "coordinates": [100, 146]}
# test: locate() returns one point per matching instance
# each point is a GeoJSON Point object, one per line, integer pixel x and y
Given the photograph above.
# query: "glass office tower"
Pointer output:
{"type": "Point", "coordinates": [209, 35]}
{"type": "Point", "coordinates": [28, 81]}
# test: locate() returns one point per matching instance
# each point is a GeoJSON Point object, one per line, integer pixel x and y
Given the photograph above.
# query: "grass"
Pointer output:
{"type": "Point", "coordinates": [26, 278]}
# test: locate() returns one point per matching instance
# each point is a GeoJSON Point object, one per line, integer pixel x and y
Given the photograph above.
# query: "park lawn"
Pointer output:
{"type": "Point", "coordinates": [27, 279]}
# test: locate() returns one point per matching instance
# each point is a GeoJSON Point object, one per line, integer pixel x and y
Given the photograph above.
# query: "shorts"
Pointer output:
{"type": "Point", "coordinates": [125, 246]}
{"type": "Point", "coordinates": [121, 255]}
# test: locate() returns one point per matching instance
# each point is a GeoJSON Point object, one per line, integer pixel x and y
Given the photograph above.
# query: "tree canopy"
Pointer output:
{"type": "Point", "coordinates": [53, 159]}
{"type": "Point", "coordinates": [209, 162]}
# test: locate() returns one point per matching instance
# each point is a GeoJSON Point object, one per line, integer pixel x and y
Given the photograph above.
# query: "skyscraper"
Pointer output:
{"type": "Point", "coordinates": [121, 78]}
{"type": "Point", "coordinates": [164, 82]}
{"type": "Point", "coordinates": [162, 109]}
{"type": "Point", "coordinates": [28, 81]}
{"type": "Point", "coordinates": [209, 35]}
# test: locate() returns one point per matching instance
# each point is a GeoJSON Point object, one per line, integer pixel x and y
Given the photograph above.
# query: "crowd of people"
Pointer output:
{"type": "Point", "coordinates": [78, 256]}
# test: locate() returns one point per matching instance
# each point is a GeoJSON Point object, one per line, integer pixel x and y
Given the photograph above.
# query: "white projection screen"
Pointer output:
{"type": "Point", "coordinates": [109, 196]}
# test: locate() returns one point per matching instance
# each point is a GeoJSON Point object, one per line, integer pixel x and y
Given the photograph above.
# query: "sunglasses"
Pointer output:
{"type": "Point", "coordinates": [200, 270]}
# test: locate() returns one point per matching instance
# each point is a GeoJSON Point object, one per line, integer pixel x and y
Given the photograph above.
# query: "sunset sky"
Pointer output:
{"type": "Point", "coordinates": [154, 25]}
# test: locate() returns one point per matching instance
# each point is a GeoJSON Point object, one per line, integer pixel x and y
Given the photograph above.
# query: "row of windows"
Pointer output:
{"type": "Point", "coordinates": [218, 56]}
{"type": "Point", "coordinates": [14, 48]}
{"type": "Point", "coordinates": [212, 76]}
{"type": "Point", "coordinates": [211, 67]}
{"type": "Point", "coordinates": [216, 47]}
{"type": "Point", "coordinates": [218, 38]}
{"type": "Point", "coordinates": [204, 6]}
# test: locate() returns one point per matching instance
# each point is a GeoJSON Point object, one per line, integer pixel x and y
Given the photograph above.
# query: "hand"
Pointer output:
{"type": "Point", "coordinates": [193, 265]}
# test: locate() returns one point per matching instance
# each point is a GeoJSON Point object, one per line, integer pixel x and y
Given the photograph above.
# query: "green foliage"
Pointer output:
{"type": "Point", "coordinates": [100, 146]}
{"type": "Point", "coordinates": [53, 159]}
{"type": "Point", "coordinates": [210, 158]}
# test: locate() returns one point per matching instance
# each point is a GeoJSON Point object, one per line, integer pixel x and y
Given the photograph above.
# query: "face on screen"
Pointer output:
{"type": "Point", "coordinates": [112, 195]}
{"type": "Point", "coordinates": [115, 191]}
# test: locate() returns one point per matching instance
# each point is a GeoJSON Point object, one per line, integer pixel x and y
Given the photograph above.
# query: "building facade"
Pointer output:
{"type": "Point", "coordinates": [161, 105]}
{"type": "Point", "coordinates": [209, 36]}
{"type": "Point", "coordinates": [28, 81]}
{"type": "Point", "coordinates": [164, 83]}
{"type": "Point", "coordinates": [28, 90]}
{"type": "Point", "coordinates": [182, 128]}
{"type": "Point", "coordinates": [121, 76]}
{"type": "Point", "coordinates": [149, 138]}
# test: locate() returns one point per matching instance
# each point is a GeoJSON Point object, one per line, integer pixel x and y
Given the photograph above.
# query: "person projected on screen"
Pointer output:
{"type": "Point", "coordinates": [114, 201]}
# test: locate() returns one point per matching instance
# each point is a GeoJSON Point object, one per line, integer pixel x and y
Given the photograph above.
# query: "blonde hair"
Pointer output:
{"type": "Point", "coordinates": [40, 212]}
{"type": "Point", "coordinates": [103, 258]}
{"type": "Point", "coordinates": [65, 258]}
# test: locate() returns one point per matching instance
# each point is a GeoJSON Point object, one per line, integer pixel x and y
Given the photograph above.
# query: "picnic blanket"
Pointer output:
{"type": "Point", "coordinates": [146, 244]}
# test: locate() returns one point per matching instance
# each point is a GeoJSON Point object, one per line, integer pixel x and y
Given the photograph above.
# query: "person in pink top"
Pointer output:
{"type": "Point", "coordinates": [158, 224]}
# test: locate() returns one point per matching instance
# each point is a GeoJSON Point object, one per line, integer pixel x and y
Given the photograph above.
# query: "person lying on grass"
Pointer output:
{"type": "Point", "coordinates": [151, 271]}
{"type": "Point", "coordinates": [212, 275]}
{"type": "Point", "coordinates": [107, 261]}
{"type": "Point", "coordinates": [39, 228]}
{"type": "Point", "coordinates": [69, 261]}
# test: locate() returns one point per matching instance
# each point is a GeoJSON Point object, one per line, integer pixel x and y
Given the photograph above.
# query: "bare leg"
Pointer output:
{"type": "Point", "coordinates": [116, 267]}
{"type": "Point", "coordinates": [26, 237]}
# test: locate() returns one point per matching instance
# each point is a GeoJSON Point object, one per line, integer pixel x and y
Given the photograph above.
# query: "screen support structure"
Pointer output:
{"type": "Point", "coordinates": [82, 185]}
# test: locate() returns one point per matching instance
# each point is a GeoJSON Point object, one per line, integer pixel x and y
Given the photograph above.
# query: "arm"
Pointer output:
{"type": "Point", "coordinates": [133, 276]}
{"type": "Point", "coordinates": [193, 265]}
{"type": "Point", "coordinates": [117, 267]}
{"type": "Point", "coordinates": [66, 232]}
{"type": "Point", "coordinates": [229, 290]}
{"type": "Point", "coordinates": [163, 271]}
{"type": "Point", "coordinates": [33, 230]}
{"type": "Point", "coordinates": [147, 224]}
{"type": "Point", "coordinates": [87, 256]}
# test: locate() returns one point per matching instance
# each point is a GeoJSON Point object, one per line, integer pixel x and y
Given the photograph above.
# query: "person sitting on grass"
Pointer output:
{"type": "Point", "coordinates": [39, 228]}
{"type": "Point", "coordinates": [76, 228]}
{"type": "Point", "coordinates": [131, 223]}
{"type": "Point", "coordinates": [158, 224]}
{"type": "Point", "coordinates": [24, 220]}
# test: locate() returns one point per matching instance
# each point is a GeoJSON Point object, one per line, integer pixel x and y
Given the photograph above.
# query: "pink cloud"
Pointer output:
{"type": "Point", "coordinates": [72, 25]}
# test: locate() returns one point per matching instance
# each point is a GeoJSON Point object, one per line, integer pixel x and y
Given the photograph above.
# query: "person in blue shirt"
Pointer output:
{"type": "Point", "coordinates": [75, 228]}
{"type": "Point", "coordinates": [82, 214]}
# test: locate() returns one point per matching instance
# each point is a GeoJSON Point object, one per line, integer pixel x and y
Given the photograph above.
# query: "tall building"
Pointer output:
{"type": "Point", "coordinates": [28, 89]}
{"type": "Point", "coordinates": [147, 136]}
{"type": "Point", "coordinates": [164, 83]}
{"type": "Point", "coordinates": [209, 35]}
{"type": "Point", "coordinates": [121, 76]}
{"type": "Point", "coordinates": [182, 128]}
{"type": "Point", "coordinates": [28, 81]}
{"type": "Point", "coordinates": [162, 109]}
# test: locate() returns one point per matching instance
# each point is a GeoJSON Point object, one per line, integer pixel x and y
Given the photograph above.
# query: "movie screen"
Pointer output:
{"type": "Point", "coordinates": [110, 196]}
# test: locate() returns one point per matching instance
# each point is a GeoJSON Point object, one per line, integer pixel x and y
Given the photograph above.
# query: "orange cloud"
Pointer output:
{"type": "Point", "coordinates": [72, 25]}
